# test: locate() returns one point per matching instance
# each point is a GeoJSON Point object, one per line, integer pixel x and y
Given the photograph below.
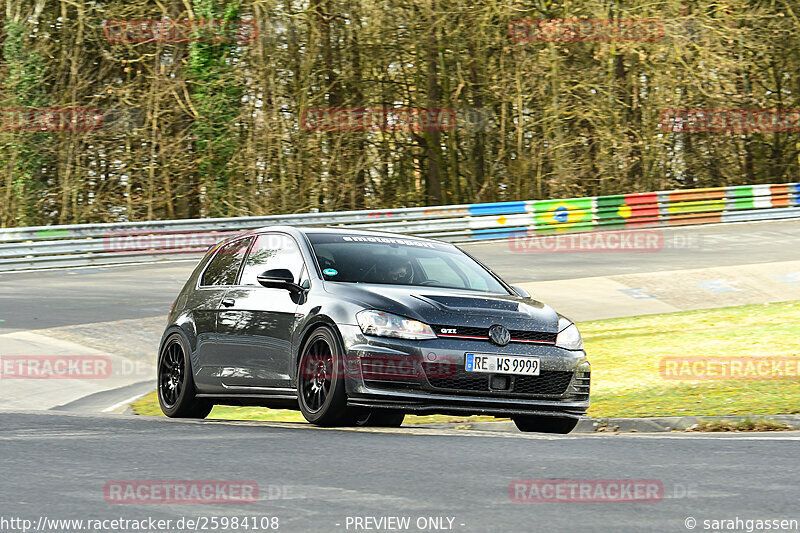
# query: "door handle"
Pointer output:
{"type": "Point", "coordinates": [228, 302]}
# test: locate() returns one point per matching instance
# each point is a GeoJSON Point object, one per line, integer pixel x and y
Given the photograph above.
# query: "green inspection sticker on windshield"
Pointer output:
{"type": "Point", "coordinates": [330, 271]}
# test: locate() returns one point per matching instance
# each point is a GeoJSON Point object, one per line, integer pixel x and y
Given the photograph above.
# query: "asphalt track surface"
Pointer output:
{"type": "Point", "coordinates": [52, 298]}
{"type": "Point", "coordinates": [313, 480]}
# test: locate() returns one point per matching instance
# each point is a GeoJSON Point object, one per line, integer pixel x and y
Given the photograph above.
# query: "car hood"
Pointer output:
{"type": "Point", "coordinates": [451, 307]}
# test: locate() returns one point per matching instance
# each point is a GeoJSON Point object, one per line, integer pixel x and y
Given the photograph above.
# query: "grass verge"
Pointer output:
{"type": "Point", "coordinates": [625, 354]}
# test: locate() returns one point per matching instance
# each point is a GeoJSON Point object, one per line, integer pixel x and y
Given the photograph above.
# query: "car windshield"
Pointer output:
{"type": "Point", "coordinates": [399, 261]}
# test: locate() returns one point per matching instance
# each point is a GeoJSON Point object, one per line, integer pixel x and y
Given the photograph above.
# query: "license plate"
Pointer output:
{"type": "Point", "coordinates": [501, 364]}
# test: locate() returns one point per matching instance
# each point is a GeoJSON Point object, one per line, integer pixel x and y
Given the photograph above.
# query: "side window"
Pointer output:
{"type": "Point", "coordinates": [225, 265]}
{"type": "Point", "coordinates": [271, 251]}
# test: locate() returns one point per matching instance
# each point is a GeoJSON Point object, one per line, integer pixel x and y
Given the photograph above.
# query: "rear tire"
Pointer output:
{"type": "Point", "coordinates": [321, 391]}
{"type": "Point", "coordinates": [545, 424]}
{"type": "Point", "coordinates": [177, 395]}
{"type": "Point", "coordinates": [378, 418]}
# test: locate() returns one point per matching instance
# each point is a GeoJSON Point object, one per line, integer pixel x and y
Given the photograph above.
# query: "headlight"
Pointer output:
{"type": "Point", "coordinates": [389, 325]}
{"type": "Point", "coordinates": [569, 337]}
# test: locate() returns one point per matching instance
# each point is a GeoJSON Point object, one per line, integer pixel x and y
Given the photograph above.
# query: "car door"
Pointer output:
{"type": "Point", "coordinates": [257, 323]}
{"type": "Point", "coordinates": [206, 301]}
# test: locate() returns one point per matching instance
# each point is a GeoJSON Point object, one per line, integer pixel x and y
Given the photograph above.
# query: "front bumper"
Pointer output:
{"type": "Point", "coordinates": [429, 377]}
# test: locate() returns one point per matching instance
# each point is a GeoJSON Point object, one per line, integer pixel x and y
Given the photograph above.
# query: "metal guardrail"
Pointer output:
{"type": "Point", "coordinates": [95, 244]}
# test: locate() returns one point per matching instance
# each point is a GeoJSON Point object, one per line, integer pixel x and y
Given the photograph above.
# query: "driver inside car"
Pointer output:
{"type": "Point", "coordinates": [401, 274]}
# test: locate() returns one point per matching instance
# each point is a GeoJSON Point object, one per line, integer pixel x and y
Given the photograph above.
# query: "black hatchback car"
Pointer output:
{"type": "Point", "coordinates": [360, 328]}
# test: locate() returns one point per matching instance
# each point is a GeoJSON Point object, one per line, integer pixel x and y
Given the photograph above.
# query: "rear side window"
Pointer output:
{"type": "Point", "coordinates": [225, 266]}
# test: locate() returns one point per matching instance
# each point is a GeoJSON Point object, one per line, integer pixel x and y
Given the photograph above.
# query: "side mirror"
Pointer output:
{"type": "Point", "coordinates": [522, 292]}
{"type": "Point", "coordinates": [279, 278]}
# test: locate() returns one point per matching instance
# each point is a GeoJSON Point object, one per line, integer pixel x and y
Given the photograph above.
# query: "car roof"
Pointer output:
{"type": "Point", "coordinates": [346, 231]}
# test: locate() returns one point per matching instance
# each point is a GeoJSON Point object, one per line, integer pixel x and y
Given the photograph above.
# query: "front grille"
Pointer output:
{"type": "Point", "coordinates": [536, 336]}
{"type": "Point", "coordinates": [548, 383]}
{"type": "Point", "coordinates": [483, 334]}
{"type": "Point", "coordinates": [463, 381]}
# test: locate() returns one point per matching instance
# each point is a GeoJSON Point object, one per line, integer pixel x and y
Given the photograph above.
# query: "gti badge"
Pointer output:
{"type": "Point", "coordinates": [499, 335]}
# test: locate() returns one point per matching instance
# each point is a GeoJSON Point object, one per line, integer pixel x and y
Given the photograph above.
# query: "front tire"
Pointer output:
{"type": "Point", "coordinates": [176, 390]}
{"type": "Point", "coordinates": [321, 390]}
{"type": "Point", "coordinates": [545, 424]}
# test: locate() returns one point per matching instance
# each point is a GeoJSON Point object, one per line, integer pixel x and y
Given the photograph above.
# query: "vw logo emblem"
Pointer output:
{"type": "Point", "coordinates": [499, 335]}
